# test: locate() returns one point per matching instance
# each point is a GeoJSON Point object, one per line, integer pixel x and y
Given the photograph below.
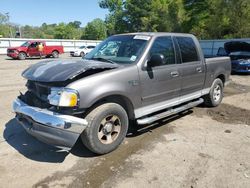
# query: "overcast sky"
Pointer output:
{"type": "Point", "coordinates": [36, 12]}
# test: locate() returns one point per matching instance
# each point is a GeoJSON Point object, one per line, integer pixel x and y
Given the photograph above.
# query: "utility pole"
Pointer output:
{"type": "Point", "coordinates": [20, 32]}
{"type": "Point", "coordinates": [8, 20]}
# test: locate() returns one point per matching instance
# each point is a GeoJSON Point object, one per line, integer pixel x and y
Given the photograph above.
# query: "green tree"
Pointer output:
{"type": "Point", "coordinates": [3, 19]}
{"type": "Point", "coordinates": [5, 27]}
{"type": "Point", "coordinates": [75, 24]}
{"type": "Point", "coordinates": [211, 19]}
{"type": "Point", "coordinates": [143, 15]}
{"type": "Point", "coordinates": [95, 30]}
{"type": "Point", "coordinates": [115, 22]}
{"type": "Point", "coordinates": [196, 11]}
{"type": "Point", "coordinates": [239, 18]}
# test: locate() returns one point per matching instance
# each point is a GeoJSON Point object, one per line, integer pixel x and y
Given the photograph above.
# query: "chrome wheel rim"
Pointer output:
{"type": "Point", "coordinates": [217, 93]}
{"type": "Point", "coordinates": [109, 129]}
{"type": "Point", "coordinates": [55, 54]}
{"type": "Point", "coordinates": [22, 55]}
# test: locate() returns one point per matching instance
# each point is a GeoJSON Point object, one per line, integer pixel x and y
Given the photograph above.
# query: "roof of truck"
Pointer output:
{"type": "Point", "coordinates": [157, 34]}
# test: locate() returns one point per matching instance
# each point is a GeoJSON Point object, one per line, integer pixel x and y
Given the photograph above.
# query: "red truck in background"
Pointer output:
{"type": "Point", "coordinates": [30, 49]}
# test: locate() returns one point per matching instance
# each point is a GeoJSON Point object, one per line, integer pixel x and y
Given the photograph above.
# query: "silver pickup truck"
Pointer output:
{"type": "Point", "coordinates": [141, 77]}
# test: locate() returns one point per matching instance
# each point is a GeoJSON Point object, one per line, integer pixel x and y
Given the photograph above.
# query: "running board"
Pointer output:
{"type": "Point", "coordinates": [149, 120]}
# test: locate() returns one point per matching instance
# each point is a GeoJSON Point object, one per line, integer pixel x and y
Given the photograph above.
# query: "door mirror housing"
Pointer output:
{"type": "Point", "coordinates": [156, 60]}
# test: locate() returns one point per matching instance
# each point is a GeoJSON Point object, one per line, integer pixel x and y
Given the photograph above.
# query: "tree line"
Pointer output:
{"type": "Point", "coordinates": [95, 29]}
{"type": "Point", "coordinates": [207, 19]}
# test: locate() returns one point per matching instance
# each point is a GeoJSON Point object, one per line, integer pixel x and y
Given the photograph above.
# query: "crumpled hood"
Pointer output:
{"type": "Point", "coordinates": [236, 46]}
{"type": "Point", "coordinates": [62, 70]}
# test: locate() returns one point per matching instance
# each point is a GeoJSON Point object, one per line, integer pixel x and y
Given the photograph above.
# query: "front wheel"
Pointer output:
{"type": "Point", "coordinates": [215, 95]}
{"type": "Point", "coordinates": [21, 56]}
{"type": "Point", "coordinates": [107, 128]}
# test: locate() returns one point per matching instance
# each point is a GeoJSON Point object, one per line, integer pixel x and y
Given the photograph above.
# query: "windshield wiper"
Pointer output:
{"type": "Point", "coordinates": [103, 59]}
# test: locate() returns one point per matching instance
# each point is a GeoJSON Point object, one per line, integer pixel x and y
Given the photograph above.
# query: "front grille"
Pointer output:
{"type": "Point", "coordinates": [39, 90]}
{"type": "Point", "coordinates": [10, 51]}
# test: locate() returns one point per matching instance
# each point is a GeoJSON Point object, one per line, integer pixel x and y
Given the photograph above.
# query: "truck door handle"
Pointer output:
{"type": "Point", "coordinates": [199, 69]}
{"type": "Point", "coordinates": [174, 74]}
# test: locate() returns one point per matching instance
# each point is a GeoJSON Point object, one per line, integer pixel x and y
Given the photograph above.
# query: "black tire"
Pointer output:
{"type": "Point", "coordinates": [82, 54]}
{"type": "Point", "coordinates": [215, 95]}
{"type": "Point", "coordinates": [21, 56]}
{"type": "Point", "coordinates": [55, 54]}
{"type": "Point", "coordinates": [92, 136]}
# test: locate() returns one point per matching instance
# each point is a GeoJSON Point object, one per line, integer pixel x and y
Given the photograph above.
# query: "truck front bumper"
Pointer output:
{"type": "Point", "coordinates": [12, 55]}
{"type": "Point", "coordinates": [50, 127]}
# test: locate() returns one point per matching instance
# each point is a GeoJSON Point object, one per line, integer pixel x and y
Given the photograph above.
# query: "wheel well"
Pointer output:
{"type": "Point", "coordinates": [22, 52]}
{"type": "Point", "coordinates": [55, 51]}
{"type": "Point", "coordinates": [121, 100]}
{"type": "Point", "coordinates": [222, 77]}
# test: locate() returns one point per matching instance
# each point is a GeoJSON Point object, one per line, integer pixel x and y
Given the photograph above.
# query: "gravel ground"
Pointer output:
{"type": "Point", "coordinates": [204, 147]}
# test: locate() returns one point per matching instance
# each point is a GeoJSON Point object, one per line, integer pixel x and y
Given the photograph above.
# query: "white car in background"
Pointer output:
{"type": "Point", "coordinates": [82, 51]}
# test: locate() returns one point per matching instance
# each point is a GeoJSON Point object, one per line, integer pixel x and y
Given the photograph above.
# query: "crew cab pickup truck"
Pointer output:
{"type": "Point", "coordinates": [30, 49]}
{"type": "Point", "coordinates": [141, 77]}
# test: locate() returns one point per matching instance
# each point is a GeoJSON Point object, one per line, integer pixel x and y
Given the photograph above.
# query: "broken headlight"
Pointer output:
{"type": "Point", "coordinates": [63, 97]}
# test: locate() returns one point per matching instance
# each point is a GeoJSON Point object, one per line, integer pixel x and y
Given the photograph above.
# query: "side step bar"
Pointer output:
{"type": "Point", "coordinates": [149, 120]}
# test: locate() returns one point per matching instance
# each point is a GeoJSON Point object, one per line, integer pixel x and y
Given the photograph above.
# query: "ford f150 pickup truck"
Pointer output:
{"type": "Point", "coordinates": [142, 77]}
{"type": "Point", "coordinates": [30, 49]}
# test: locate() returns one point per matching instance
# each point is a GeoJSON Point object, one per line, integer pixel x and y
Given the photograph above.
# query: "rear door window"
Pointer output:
{"type": "Point", "coordinates": [187, 49]}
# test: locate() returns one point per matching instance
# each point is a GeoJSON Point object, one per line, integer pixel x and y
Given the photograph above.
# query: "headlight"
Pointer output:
{"type": "Point", "coordinates": [63, 97]}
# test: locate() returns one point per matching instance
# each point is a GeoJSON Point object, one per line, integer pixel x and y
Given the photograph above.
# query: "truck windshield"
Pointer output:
{"type": "Point", "coordinates": [122, 49]}
{"type": "Point", "coordinates": [26, 44]}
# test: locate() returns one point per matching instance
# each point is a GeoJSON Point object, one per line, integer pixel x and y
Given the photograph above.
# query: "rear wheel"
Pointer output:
{"type": "Point", "coordinates": [21, 56]}
{"type": "Point", "coordinates": [107, 128]}
{"type": "Point", "coordinates": [55, 54]}
{"type": "Point", "coordinates": [215, 95]}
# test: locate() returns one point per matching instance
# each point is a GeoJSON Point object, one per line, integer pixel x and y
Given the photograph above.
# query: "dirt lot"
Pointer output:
{"type": "Point", "coordinates": [201, 148]}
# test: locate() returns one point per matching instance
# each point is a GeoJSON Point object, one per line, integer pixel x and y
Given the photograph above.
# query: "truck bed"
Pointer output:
{"type": "Point", "coordinates": [217, 66]}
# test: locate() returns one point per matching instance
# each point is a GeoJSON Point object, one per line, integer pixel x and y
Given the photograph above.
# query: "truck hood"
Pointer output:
{"type": "Point", "coordinates": [62, 70]}
{"type": "Point", "coordinates": [19, 48]}
{"type": "Point", "coordinates": [236, 46]}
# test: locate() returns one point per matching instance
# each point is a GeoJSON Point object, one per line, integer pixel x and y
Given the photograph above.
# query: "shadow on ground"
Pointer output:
{"type": "Point", "coordinates": [33, 149]}
{"type": "Point", "coordinates": [29, 58]}
{"type": "Point", "coordinates": [16, 136]}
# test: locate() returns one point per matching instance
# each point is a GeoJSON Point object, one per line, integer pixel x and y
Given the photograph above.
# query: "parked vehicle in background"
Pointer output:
{"type": "Point", "coordinates": [30, 49]}
{"type": "Point", "coordinates": [82, 51]}
{"type": "Point", "coordinates": [239, 52]}
{"type": "Point", "coordinates": [142, 77]}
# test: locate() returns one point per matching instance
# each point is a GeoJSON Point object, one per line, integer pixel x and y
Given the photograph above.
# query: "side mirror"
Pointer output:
{"type": "Point", "coordinates": [156, 60]}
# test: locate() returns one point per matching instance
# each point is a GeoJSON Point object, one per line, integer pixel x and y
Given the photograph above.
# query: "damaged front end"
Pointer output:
{"type": "Point", "coordinates": [49, 110]}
